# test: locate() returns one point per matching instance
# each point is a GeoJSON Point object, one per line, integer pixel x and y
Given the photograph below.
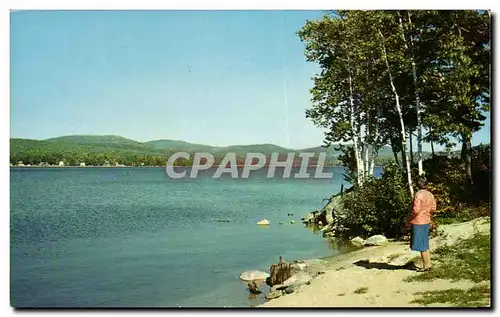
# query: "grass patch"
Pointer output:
{"type": "Point", "coordinates": [361, 290]}
{"type": "Point", "coordinates": [341, 294]}
{"type": "Point", "coordinates": [476, 296]}
{"type": "Point", "coordinates": [464, 214]}
{"type": "Point", "coordinates": [467, 259]}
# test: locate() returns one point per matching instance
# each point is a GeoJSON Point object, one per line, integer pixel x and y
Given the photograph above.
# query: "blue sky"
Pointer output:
{"type": "Point", "coordinates": [213, 77]}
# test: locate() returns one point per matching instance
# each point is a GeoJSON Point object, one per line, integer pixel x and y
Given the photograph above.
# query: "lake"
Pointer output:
{"type": "Point", "coordinates": [132, 237]}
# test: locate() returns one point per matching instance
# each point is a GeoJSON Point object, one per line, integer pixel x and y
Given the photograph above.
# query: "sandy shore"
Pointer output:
{"type": "Point", "coordinates": [380, 270]}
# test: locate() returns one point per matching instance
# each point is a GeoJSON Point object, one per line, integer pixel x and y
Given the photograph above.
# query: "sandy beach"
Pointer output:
{"type": "Point", "coordinates": [380, 271]}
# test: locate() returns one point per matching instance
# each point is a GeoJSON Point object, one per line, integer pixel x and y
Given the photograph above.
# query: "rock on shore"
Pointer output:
{"type": "Point", "coordinates": [253, 275]}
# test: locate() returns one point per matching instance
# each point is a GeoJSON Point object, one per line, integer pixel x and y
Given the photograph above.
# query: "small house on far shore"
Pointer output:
{"type": "Point", "coordinates": [82, 164]}
{"type": "Point", "coordinates": [20, 163]}
{"type": "Point", "coordinates": [61, 163]}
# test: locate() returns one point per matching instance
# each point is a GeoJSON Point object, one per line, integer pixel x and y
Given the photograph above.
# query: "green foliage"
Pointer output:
{"type": "Point", "coordinates": [447, 181]}
{"type": "Point", "coordinates": [348, 161]}
{"type": "Point", "coordinates": [481, 173]}
{"type": "Point", "coordinates": [361, 290]}
{"type": "Point", "coordinates": [73, 150]}
{"type": "Point", "coordinates": [467, 259]}
{"type": "Point", "coordinates": [462, 213]}
{"type": "Point", "coordinates": [446, 178]}
{"type": "Point", "coordinates": [379, 207]}
{"type": "Point", "coordinates": [477, 296]}
{"type": "Point", "coordinates": [368, 59]}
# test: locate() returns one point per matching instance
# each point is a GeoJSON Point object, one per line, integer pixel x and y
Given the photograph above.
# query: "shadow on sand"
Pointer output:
{"type": "Point", "coordinates": [385, 266]}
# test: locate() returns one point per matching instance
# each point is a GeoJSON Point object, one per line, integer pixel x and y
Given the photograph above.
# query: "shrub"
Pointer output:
{"type": "Point", "coordinates": [379, 207]}
{"type": "Point", "coordinates": [481, 173]}
{"type": "Point", "coordinates": [446, 177]}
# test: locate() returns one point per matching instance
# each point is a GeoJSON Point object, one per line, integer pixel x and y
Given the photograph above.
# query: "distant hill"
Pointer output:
{"type": "Point", "coordinates": [65, 145]}
{"type": "Point", "coordinates": [118, 148]}
{"type": "Point", "coordinates": [94, 139]}
{"type": "Point", "coordinates": [178, 146]}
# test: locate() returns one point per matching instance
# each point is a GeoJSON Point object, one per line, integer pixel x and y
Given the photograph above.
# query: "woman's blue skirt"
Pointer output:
{"type": "Point", "coordinates": [420, 237]}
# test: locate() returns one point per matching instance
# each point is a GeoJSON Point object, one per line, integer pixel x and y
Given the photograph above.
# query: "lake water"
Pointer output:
{"type": "Point", "coordinates": [132, 237]}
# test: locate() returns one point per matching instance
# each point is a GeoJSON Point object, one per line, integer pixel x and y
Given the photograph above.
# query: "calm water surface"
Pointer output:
{"type": "Point", "coordinates": [131, 237]}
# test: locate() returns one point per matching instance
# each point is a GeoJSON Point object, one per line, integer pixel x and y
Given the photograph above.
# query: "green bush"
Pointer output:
{"type": "Point", "coordinates": [379, 207]}
{"type": "Point", "coordinates": [481, 173]}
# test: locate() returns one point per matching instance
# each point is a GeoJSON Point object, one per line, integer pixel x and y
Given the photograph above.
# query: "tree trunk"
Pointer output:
{"type": "Point", "coordinates": [400, 113]}
{"type": "Point", "coordinates": [355, 135]}
{"type": "Point", "coordinates": [394, 152]}
{"type": "Point", "coordinates": [467, 156]}
{"type": "Point", "coordinates": [368, 151]}
{"type": "Point", "coordinates": [417, 104]}
{"type": "Point", "coordinates": [411, 148]}
{"type": "Point", "coordinates": [374, 147]}
{"type": "Point", "coordinates": [432, 143]}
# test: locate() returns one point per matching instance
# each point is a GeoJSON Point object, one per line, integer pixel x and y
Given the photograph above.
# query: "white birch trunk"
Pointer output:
{"type": "Point", "coordinates": [400, 114]}
{"type": "Point", "coordinates": [362, 148]}
{"type": "Point", "coordinates": [368, 147]}
{"type": "Point", "coordinates": [375, 144]}
{"type": "Point", "coordinates": [355, 135]}
{"type": "Point", "coordinates": [417, 103]}
{"type": "Point", "coordinates": [417, 97]}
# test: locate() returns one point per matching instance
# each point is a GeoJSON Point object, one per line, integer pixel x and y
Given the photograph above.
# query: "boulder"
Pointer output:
{"type": "Point", "coordinates": [308, 219]}
{"type": "Point", "coordinates": [263, 222]}
{"type": "Point", "coordinates": [377, 239]}
{"type": "Point", "coordinates": [326, 228]}
{"type": "Point", "coordinates": [297, 279]}
{"type": "Point", "coordinates": [299, 265]}
{"type": "Point", "coordinates": [292, 222]}
{"type": "Point", "coordinates": [273, 294]}
{"type": "Point", "coordinates": [358, 241]}
{"type": "Point", "coordinates": [329, 211]}
{"type": "Point", "coordinates": [328, 234]}
{"type": "Point", "coordinates": [253, 275]}
{"type": "Point", "coordinates": [293, 283]}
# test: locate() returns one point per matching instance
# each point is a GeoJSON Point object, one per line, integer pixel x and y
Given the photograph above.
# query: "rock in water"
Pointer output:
{"type": "Point", "coordinates": [377, 239]}
{"type": "Point", "coordinates": [358, 241]}
{"type": "Point", "coordinates": [292, 222]}
{"type": "Point", "coordinates": [263, 222]}
{"type": "Point", "coordinates": [273, 294]}
{"type": "Point", "coordinates": [254, 275]}
{"type": "Point", "coordinates": [309, 218]}
{"type": "Point", "coordinates": [254, 289]}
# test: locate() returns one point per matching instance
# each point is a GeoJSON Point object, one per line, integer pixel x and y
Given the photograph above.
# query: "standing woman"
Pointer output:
{"type": "Point", "coordinates": [423, 206]}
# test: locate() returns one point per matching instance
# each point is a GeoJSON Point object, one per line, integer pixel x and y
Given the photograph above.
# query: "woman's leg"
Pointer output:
{"type": "Point", "coordinates": [426, 259]}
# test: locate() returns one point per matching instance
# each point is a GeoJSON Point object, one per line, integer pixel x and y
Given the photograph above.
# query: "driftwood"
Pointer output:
{"type": "Point", "coordinates": [254, 289]}
{"type": "Point", "coordinates": [279, 272]}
